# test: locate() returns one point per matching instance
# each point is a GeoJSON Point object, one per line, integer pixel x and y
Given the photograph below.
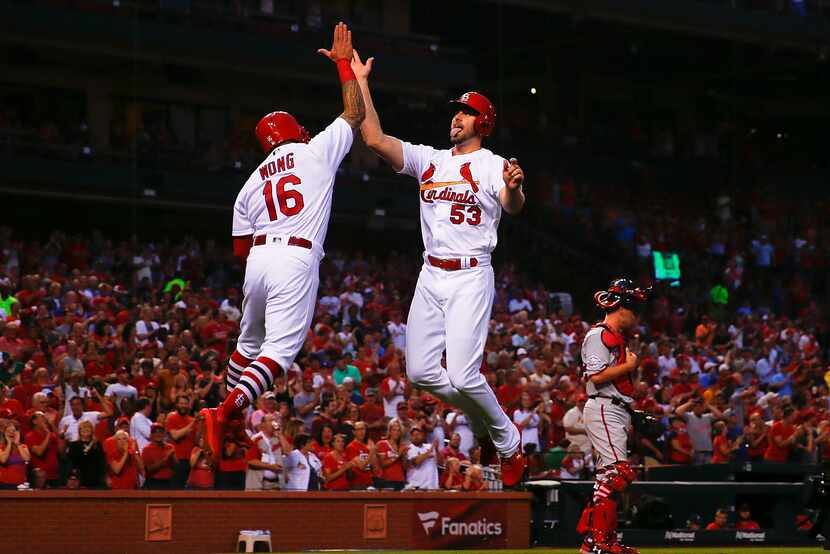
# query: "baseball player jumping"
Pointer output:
{"type": "Point", "coordinates": [463, 192]}
{"type": "Point", "coordinates": [280, 220]}
{"type": "Point", "coordinates": [607, 414]}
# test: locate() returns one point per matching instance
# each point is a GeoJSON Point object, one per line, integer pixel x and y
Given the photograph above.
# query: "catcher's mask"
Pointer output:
{"type": "Point", "coordinates": [622, 293]}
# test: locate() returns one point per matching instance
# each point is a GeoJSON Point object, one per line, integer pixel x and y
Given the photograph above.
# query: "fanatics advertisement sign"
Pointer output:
{"type": "Point", "coordinates": [459, 525]}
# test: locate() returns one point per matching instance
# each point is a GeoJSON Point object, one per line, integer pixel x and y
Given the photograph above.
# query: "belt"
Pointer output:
{"type": "Point", "coordinates": [292, 241]}
{"type": "Point", "coordinates": [452, 264]}
{"type": "Point", "coordinates": [615, 400]}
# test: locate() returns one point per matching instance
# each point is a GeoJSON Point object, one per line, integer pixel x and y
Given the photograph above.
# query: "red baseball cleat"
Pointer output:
{"type": "Point", "coordinates": [214, 430]}
{"type": "Point", "coordinates": [513, 469]}
{"type": "Point", "coordinates": [489, 454]}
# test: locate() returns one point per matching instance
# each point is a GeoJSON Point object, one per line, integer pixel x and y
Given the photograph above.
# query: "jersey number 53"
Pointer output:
{"type": "Point", "coordinates": [457, 214]}
{"type": "Point", "coordinates": [283, 197]}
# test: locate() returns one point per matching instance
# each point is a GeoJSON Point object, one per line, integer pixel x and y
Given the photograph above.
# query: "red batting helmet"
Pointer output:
{"type": "Point", "coordinates": [485, 111]}
{"type": "Point", "coordinates": [277, 128]}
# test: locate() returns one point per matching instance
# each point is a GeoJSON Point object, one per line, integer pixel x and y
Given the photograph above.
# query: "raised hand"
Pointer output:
{"type": "Point", "coordinates": [341, 48]}
{"type": "Point", "coordinates": [361, 70]}
{"type": "Point", "coordinates": [512, 174]}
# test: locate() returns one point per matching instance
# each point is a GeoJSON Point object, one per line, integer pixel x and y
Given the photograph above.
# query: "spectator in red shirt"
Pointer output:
{"type": "Point", "coordinates": [680, 445]}
{"type": "Point", "coordinates": [24, 392]}
{"type": "Point", "coordinates": [722, 447]}
{"type": "Point", "coordinates": [452, 449]}
{"type": "Point", "coordinates": [181, 427]}
{"type": "Point", "coordinates": [474, 479]}
{"type": "Point", "coordinates": [390, 454]}
{"type": "Point", "coordinates": [510, 393]}
{"type": "Point", "coordinates": [40, 403]}
{"type": "Point", "coordinates": [336, 466]}
{"type": "Point", "coordinates": [234, 460]}
{"type": "Point", "coordinates": [782, 436]}
{"type": "Point", "coordinates": [44, 444]}
{"type": "Point", "coordinates": [124, 463]}
{"type": "Point", "coordinates": [14, 457]}
{"type": "Point", "coordinates": [201, 476]}
{"type": "Point", "coordinates": [373, 414]}
{"type": "Point", "coordinates": [324, 441]}
{"type": "Point", "coordinates": [757, 437]}
{"type": "Point", "coordinates": [121, 424]}
{"type": "Point", "coordinates": [360, 452]}
{"type": "Point", "coordinates": [10, 404]}
{"type": "Point", "coordinates": [745, 520]}
{"type": "Point", "coordinates": [721, 522]}
{"type": "Point", "coordinates": [9, 342]}
{"type": "Point", "coordinates": [159, 458]}
{"type": "Point", "coordinates": [452, 479]}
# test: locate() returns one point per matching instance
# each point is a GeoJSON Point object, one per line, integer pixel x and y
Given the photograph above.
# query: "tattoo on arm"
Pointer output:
{"type": "Point", "coordinates": [354, 110]}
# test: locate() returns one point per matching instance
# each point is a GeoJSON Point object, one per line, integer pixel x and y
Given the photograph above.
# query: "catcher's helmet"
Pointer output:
{"type": "Point", "coordinates": [279, 127]}
{"type": "Point", "coordinates": [621, 293]}
{"type": "Point", "coordinates": [485, 111]}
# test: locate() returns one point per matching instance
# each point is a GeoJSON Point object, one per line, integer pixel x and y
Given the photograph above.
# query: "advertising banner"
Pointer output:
{"type": "Point", "coordinates": [471, 524]}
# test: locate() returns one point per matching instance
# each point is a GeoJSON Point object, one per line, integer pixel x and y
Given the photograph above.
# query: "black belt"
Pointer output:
{"type": "Point", "coordinates": [615, 400]}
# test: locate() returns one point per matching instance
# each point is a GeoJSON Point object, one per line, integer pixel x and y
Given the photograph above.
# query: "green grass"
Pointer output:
{"type": "Point", "coordinates": [670, 550]}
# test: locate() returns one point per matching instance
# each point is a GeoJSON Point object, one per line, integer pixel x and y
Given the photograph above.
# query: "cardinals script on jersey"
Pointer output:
{"type": "Point", "coordinates": [460, 207]}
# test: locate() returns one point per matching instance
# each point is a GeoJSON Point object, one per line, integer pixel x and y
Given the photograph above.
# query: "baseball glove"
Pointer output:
{"type": "Point", "coordinates": [646, 424]}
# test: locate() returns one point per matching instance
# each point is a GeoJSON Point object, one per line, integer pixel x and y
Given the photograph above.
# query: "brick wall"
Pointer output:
{"type": "Point", "coordinates": [80, 522]}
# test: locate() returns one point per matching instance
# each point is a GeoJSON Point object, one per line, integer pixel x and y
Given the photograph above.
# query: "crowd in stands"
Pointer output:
{"type": "Point", "coordinates": [109, 350]}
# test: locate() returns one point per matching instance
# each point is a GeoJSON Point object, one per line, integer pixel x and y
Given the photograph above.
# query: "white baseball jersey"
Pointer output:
{"type": "Point", "coordinates": [290, 192]}
{"type": "Point", "coordinates": [460, 207]}
{"type": "Point", "coordinates": [601, 349]}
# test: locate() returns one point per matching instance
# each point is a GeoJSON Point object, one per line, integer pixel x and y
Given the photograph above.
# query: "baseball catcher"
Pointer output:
{"type": "Point", "coordinates": [608, 366]}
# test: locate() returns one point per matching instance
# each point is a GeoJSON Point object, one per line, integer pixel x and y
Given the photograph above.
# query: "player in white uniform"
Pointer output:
{"type": "Point", "coordinates": [608, 367]}
{"type": "Point", "coordinates": [463, 191]}
{"type": "Point", "coordinates": [280, 220]}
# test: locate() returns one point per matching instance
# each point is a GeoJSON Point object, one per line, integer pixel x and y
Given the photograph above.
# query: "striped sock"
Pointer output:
{"type": "Point", "coordinates": [236, 365]}
{"type": "Point", "coordinates": [258, 378]}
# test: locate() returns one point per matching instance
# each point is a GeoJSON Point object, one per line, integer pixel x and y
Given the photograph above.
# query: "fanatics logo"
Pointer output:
{"type": "Point", "coordinates": [428, 520]}
{"type": "Point", "coordinates": [240, 400]}
{"type": "Point", "coordinates": [480, 528]}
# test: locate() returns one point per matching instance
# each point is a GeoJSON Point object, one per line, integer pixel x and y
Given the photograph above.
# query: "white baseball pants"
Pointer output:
{"type": "Point", "coordinates": [451, 310]}
{"type": "Point", "coordinates": [280, 295]}
{"type": "Point", "coordinates": [607, 426]}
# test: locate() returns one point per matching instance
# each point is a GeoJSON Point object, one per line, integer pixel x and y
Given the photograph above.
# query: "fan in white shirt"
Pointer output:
{"type": "Point", "coordinates": [397, 331]}
{"type": "Point", "coordinates": [302, 468]}
{"type": "Point", "coordinates": [68, 425]}
{"type": "Point", "coordinates": [140, 424]}
{"type": "Point", "coordinates": [422, 469]}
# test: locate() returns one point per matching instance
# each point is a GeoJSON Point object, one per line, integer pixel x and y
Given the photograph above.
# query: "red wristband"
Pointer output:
{"type": "Point", "coordinates": [344, 69]}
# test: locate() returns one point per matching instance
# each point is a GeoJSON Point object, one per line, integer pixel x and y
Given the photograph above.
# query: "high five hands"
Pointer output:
{"type": "Point", "coordinates": [341, 47]}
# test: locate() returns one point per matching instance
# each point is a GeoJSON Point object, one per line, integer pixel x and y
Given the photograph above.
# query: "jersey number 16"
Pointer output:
{"type": "Point", "coordinates": [283, 196]}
